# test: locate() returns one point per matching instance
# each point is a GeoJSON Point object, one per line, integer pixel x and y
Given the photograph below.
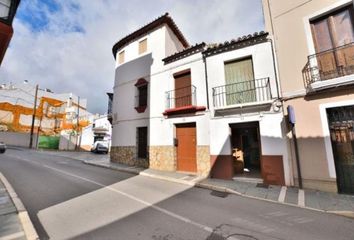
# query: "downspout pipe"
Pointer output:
{"type": "Point", "coordinates": [275, 67]}
{"type": "Point", "coordinates": [206, 80]}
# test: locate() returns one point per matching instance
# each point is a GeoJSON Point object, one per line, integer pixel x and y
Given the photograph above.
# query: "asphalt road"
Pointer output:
{"type": "Point", "coordinates": [67, 199]}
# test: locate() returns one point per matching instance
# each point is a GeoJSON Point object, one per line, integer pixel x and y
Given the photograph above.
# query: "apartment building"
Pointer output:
{"type": "Point", "coordinates": [56, 113]}
{"type": "Point", "coordinates": [315, 58]}
{"type": "Point", "coordinates": [211, 110]}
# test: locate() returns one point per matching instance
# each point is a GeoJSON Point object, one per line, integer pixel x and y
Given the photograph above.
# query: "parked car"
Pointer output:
{"type": "Point", "coordinates": [2, 147]}
{"type": "Point", "coordinates": [100, 147]}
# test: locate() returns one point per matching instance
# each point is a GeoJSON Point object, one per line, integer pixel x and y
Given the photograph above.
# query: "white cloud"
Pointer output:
{"type": "Point", "coordinates": [64, 60]}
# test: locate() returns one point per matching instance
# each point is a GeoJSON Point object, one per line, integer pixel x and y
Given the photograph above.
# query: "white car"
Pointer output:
{"type": "Point", "coordinates": [100, 147]}
{"type": "Point", "coordinates": [2, 147]}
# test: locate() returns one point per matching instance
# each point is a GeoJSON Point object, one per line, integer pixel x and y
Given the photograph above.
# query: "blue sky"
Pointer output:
{"type": "Point", "coordinates": [65, 45]}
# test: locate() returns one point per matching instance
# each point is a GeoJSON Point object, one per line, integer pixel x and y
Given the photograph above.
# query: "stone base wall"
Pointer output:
{"type": "Point", "coordinates": [127, 155]}
{"type": "Point", "coordinates": [163, 158]}
{"type": "Point", "coordinates": [203, 161]}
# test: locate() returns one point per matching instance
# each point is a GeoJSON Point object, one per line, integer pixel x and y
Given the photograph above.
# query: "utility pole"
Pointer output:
{"type": "Point", "coordinates": [33, 116]}
{"type": "Point", "coordinates": [77, 123]}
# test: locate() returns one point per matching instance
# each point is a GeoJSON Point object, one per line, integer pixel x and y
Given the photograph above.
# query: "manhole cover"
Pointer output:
{"type": "Point", "coordinates": [219, 194]}
{"type": "Point", "coordinates": [262, 185]}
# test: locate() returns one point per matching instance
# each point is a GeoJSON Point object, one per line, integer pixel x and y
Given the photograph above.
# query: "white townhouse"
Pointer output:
{"type": "Point", "coordinates": [210, 110]}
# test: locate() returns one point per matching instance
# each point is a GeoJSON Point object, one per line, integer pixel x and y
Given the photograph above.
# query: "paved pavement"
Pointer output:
{"type": "Point", "coordinates": [317, 200]}
{"type": "Point", "coordinates": [69, 199]}
{"type": "Point", "coordinates": [10, 227]}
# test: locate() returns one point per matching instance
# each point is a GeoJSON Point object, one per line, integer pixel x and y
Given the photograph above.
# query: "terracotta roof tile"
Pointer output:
{"type": "Point", "coordinates": [199, 47]}
{"type": "Point", "coordinates": [244, 41]}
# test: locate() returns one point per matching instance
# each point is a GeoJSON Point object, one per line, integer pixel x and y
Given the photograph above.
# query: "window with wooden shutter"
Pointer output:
{"type": "Point", "coordinates": [143, 46]}
{"type": "Point", "coordinates": [240, 84]}
{"type": "Point", "coordinates": [121, 57]}
{"type": "Point", "coordinates": [333, 37]}
{"type": "Point", "coordinates": [183, 90]}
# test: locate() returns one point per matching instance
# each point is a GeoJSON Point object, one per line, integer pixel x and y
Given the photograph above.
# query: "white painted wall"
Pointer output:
{"type": "Point", "coordinates": [148, 66]}
{"type": "Point", "coordinates": [17, 139]}
{"type": "Point", "coordinates": [273, 141]}
{"type": "Point", "coordinates": [263, 67]}
{"type": "Point", "coordinates": [164, 81]}
{"type": "Point", "coordinates": [173, 45]}
{"type": "Point", "coordinates": [124, 133]}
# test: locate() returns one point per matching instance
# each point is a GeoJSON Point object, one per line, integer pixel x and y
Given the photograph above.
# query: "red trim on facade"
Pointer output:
{"type": "Point", "coordinates": [183, 110]}
{"type": "Point", "coordinates": [140, 109]}
{"type": "Point", "coordinates": [6, 33]}
{"type": "Point", "coordinates": [141, 82]}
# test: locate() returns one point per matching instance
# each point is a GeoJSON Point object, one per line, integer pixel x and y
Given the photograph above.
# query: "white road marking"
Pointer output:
{"type": "Point", "coordinates": [301, 198]}
{"type": "Point", "coordinates": [13, 236]}
{"type": "Point", "coordinates": [162, 210]}
{"type": "Point", "coordinates": [282, 194]}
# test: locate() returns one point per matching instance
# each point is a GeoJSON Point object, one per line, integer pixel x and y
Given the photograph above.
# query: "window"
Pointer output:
{"type": "Point", "coordinates": [142, 141]}
{"type": "Point", "coordinates": [333, 30]}
{"type": "Point", "coordinates": [142, 95]}
{"type": "Point", "coordinates": [143, 46]}
{"type": "Point", "coordinates": [141, 99]}
{"type": "Point", "coordinates": [5, 8]}
{"type": "Point", "coordinates": [333, 37]}
{"type": "Point", "coordinates": [183, 89]}
{"type": "Point", "coordinates": [121, 57]}
{"type": "Point", "coordinates": [240, 83]}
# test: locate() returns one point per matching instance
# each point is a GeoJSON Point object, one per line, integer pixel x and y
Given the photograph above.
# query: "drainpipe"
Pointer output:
{"type": "Point", "coordinates": [275, 67]}
{"type": "Point", "coordinates": [206, 80]}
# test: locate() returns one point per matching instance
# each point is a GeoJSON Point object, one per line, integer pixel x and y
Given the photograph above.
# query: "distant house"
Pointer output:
{"type": "Point", "coordinates": [55, 113]}
{"type": "Point", "coordinates": [211, 110]}
{"type": "Point", "coordinates": [99, 129]}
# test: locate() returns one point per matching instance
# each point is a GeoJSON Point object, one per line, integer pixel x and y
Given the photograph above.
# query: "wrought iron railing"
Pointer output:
{"type": "Point", "coordinates": [181, 97]}
{"type": "Point", "coordinates": [257, 90]}
{"type": "Point", "coordinates": [333, 63]}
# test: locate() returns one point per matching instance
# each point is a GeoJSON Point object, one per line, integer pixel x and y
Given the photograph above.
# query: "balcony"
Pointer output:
{"type": "Point", "coordinates": [248, 93]}
{"type": "Point", "coordinates": [329, 68]}
{"type": "Point", "coordinates": [182, 101]}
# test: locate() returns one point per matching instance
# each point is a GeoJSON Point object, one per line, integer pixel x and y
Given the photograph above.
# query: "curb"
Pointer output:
{"type": "Point", "coordinates": [127, 170]}
{"type": "Point", "coordinates": [27, 225]}
{"type": "Point", "coordinates": [348, 214]}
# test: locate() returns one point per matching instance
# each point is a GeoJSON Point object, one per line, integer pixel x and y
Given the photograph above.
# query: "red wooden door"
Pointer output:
{"type": "Point", "coordinates": [186, 148]}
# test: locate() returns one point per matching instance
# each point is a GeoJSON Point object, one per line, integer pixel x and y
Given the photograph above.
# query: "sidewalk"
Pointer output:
{"type": "Point", "coordinates": [103, 160]}
{"type": "Point", "coordinates": [15, 222]}
{"type": "Point", "coordinates": [310, 199]}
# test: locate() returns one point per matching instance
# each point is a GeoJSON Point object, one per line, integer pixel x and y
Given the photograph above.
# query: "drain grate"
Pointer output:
{"type": "Point", "coordinates": [219, 194]}
{"type": "Point", "coordinates": [262, 185]}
